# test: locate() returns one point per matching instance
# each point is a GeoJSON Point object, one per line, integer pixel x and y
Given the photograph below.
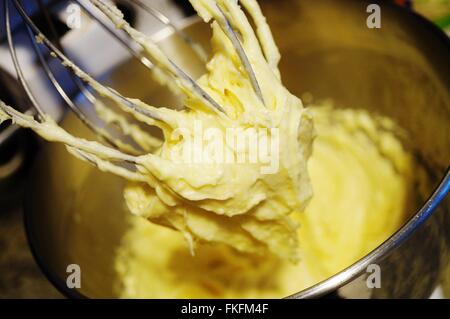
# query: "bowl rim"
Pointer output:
{"type": "Point", "coordinates": [326, 287]}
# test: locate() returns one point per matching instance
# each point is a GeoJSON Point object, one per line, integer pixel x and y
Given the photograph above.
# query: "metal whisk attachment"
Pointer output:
{"type": "Point", "coordinates": [84, 82]}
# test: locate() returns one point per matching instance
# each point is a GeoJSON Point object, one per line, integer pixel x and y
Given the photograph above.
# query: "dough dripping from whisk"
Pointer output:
{"type": "Point", "coordinates": [237, 203]}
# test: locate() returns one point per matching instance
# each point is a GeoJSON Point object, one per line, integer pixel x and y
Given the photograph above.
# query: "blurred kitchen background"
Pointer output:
{"type": "Point", "coordinates": [20, 277]}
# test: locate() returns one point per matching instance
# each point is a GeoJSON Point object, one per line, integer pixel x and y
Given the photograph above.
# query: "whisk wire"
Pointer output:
{"type": "Point", "coordinates": [82, 79]}
{"type": "Point", "coordinates": [136, 54]}
{"type": "Point", "coordinates": [16, 63]}
{"type": "Point", "coordinates": [198, 49]}
{"type": "Point", "coordinates": [66, 61]}
{"type": "Point", "coordinates": [169, 65]}
{"type": "Point", "coordinates": [103, 134]}
{"type": "Point", "coordinates": [233, 37]}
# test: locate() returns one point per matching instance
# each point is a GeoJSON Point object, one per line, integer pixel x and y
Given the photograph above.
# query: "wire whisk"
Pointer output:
{"type": "Point", "coordinates": [87, 85]}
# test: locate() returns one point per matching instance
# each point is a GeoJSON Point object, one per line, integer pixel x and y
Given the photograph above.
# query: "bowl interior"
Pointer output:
{"type": "Point", "coordinates": [76, 215]}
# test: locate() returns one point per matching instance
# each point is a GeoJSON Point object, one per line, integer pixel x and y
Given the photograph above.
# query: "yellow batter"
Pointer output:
{"type": "Point", "coordinates": [360, 175]}
{"type": "Point", "coordinates": [234, 203]}
{"type": "Point", "coordinates": [232, 228]}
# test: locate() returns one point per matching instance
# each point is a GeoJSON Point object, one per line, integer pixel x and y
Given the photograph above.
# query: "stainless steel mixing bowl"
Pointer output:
{"type": "Point", "coordinates": [75, 214]}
